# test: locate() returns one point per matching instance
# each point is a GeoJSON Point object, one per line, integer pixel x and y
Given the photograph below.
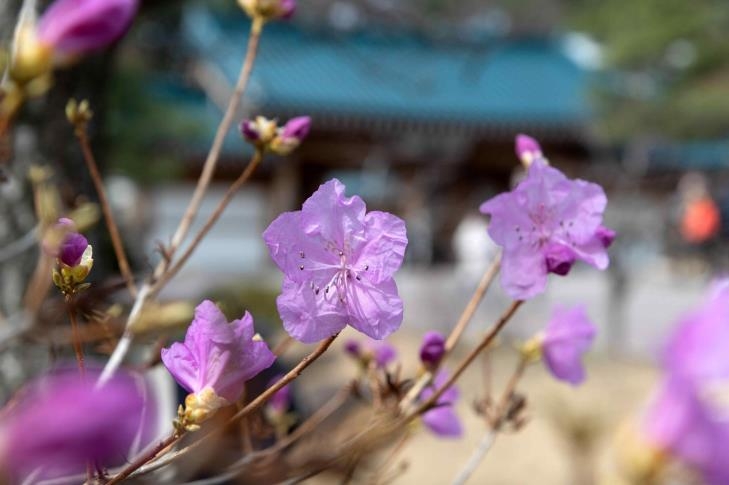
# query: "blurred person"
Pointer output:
{"type": "Point", "coordinates": [699, 219]}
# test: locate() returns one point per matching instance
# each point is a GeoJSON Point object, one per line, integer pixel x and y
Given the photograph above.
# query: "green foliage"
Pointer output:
{"type": "Point", "coordinates": [147, 129]}
{"type": "Point", "coordinates": [678, 48]}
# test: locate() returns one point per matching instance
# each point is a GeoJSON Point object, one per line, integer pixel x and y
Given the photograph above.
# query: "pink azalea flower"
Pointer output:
{"type": "Point", "coordinates": [568, 335]}
{"type": "Point", "coordinates": [544, 225]}
{"type": "Point", "coordinates": [217, 355]}
{"type": "Point", "coordinates": [338, 261]}
{"type": "Point", "coordinates": [60, 423]}
{"type": "Point", "coordinates": [77, 27]}
{"type": "Point", "coordinates": [382, 353]}
{"type": "Point", "coordinates": [442, 420]}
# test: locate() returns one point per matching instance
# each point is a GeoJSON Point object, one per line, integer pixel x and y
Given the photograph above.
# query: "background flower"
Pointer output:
{"type": "Point", "coordinates": [568, 335]}
{"type": "Point", "coordinates": [60, 423]}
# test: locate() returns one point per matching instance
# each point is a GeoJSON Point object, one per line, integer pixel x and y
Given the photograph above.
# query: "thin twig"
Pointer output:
{"type": "Point", "coordinates": [427, 376]}
{"type": "Point", "coordinates": [214, 153]}
{"type": "Point", "coordinates": [485, 342]}
{"type": "Point", "coordinates": [477, 457]}
{"type": "Point", "coordinates": [227, 197]}
{"type": "Point", "coordinates": [147, 457]}
{"type": "Point", "coordinates": [283, 345]}
{"type": "Point", "coordinates": [116, 240]}
{"type": "Point", "coordinates": [211, 161]}
{"type": "Point", "coordinates": [75, 337]}
{"type": "Point", "coordinates": [470, 309]}
{"type": "Point", "coordinates": [490, 435]}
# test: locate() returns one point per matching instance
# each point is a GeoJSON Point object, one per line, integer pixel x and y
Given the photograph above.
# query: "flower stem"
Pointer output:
{"type": "Point", "coordinates": [145, 458]}
{"type": "Point", "coordinates": [466, 316]}
{"type": "Point", "coordinates": [490, 435]}
{"type": "Point", "coordinates": [470, 309]}
{"type": "Point", "coordinates": [75, 337]}
{"type": "Point", "coordinates": [214, 153]}
{"type": "Point", "coordinates": [478, 455]}
{"type": "Point", "coordinates": [116, 240]}
{"type": "Point", "coordinates": [485, 342]}
{"type": "Point", "coordinates": [229, 194]}
{"type": "Point", "coordinates": [211, 161]}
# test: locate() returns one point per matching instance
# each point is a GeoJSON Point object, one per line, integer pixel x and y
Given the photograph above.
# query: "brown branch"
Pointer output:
{"type": "Point", "coordinates": [214, 153]}
{"type": "Point", "coordinates": [234, 187]}
{"type": "Point", "coordinates": [485, 342]}
{"type": "Point", "coordinates": [116, 240]}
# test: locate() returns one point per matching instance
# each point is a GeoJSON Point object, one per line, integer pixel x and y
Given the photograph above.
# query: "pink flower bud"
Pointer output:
{"type": "Point", "coordinates": [76, 27]}
{"type": "Point", "coordinates": [72, 249]}
{"type": "Point", "coordinates": [527, 148]}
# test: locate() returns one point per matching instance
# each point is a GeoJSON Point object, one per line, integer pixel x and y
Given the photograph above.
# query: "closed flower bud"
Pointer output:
{"type": "Point", "coordinates": [528, 149]}
{"type": "Point", "coordinates": [72, 28]}
{"type": "Point", "coordinates": [291, 135]}
{"type": "Point", "coordinates": [432, 348]}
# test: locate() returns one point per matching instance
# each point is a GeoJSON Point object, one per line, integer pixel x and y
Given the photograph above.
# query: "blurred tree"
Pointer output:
{"type": "Point", "coordinates": [671, 62]}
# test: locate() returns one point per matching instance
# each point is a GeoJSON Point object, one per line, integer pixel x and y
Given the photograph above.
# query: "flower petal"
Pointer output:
{"type": "Point", "coordinates": [374, 310]}
{"type": "Point", "coordinates": [309, 317]}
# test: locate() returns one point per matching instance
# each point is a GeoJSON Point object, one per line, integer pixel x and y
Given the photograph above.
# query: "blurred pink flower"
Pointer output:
{"type": "Point", "coordinates": [688, 416]}
{"type": "Point", "coordinates": [216, 354]}
{"type": "Point", "coordinates": [281, 399]}
{"type": "Point", "coordinates": [60, 423]}
{"type": "Point", "coordinates": [568, 335]}
{"type": "Point", "coordinates": [76, 27]}
{"type": "Point", "coordinates": [338, 261]}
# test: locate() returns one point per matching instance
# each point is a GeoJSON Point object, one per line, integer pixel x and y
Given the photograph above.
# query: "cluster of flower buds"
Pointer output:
{"type": "Point", "coordinates": [67, 30]}
{"type": "Point", "coordinates": [266, 135]}
{"type": "Point", "coordinates": [74, 257]}
{"type": "Point", "coordinates": [371, 352]}
{"type": "Point", "coordinates": [268, 9]}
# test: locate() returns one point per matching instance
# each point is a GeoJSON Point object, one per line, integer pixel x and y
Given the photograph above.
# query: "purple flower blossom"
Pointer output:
{"type": "Point", "coordinates": [544, 225]}
{"type": "Point", "coordinates": [60, 423]}
{"type": "Point", "coordinates": [432, 348]}
{"type": "Point", "coordinates": [217, 355]}
{"type": "Point", "coordinates": [442, 420]}
{"type": "Point", "coordinates": [568, 335]}
{"type": "Point", "coordinates": [72, 248]}
{"type": "Point", "coordinates": [76, 27]}
{"type": "Point", "coordinates": [338, 261]}
{"type": "Point", "coordinates": [281, 400]}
